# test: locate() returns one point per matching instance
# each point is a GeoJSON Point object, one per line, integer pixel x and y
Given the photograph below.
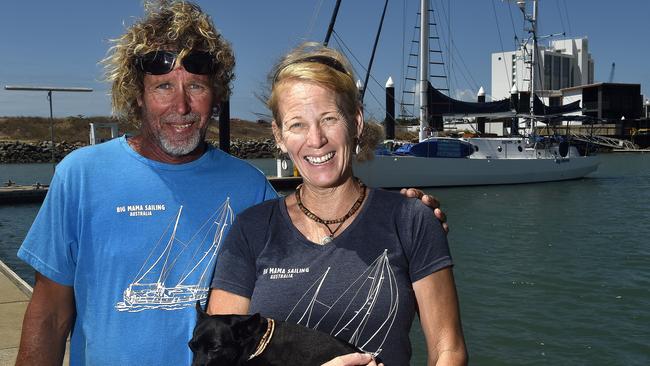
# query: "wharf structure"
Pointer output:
{"type": "Point", "coordinates": [566, 75]}
{"type": "Point", "coordinates": [14, 297]}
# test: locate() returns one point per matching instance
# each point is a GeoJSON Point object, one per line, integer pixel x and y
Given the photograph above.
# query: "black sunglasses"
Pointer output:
{"type": "Point", "coordinates": [162, 62]}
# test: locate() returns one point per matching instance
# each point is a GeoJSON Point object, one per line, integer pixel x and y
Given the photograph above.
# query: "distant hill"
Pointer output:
{"type": "Point", "coordinates": [76, 129]}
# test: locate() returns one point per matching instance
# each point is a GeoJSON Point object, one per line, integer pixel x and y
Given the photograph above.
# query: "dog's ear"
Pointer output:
{"type": "Point", "coordinates": [200, 313]}
{"type": "Point", "coordinates": [247, 327]}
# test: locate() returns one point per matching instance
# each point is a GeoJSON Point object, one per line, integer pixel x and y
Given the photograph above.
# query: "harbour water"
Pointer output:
{"type": "Point", "coordinates": [547, 274]}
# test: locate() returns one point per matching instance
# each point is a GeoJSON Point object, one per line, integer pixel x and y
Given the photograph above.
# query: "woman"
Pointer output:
{"type": "Point", "coordinates": [338, 256]}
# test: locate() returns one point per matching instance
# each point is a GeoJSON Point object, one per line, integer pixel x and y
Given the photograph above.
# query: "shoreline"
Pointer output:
{"type": "Point", "coordinates": [27, 152]}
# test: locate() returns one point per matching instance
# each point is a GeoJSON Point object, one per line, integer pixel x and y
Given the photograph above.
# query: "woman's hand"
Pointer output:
{"type": "Point", "coordinates": [429, 201]}
{"type": "Point", "coordinates": [353, 359]}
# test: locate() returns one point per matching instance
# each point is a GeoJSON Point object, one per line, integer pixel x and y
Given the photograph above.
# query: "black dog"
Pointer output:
{"type": "Point", "coordinates": [250, 340]}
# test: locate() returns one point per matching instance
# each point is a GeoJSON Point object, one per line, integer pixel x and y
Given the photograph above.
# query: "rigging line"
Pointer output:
{"type": "Point", "coordinates": [314, 17]}
{"type": "Point", "coordinates": [340, 41]}
{"type": "Point", "coordinates": [446, 16]}
{"type": "Point", "coordinates": [382, 108]}
{"type": "Point", "coordinates": [455, 54]}
{"type": "Point", "coordinates": [444, 33]}
{"type": "Point", "coordinates": [568, 19]}
{"type": "Point", "coordinates": [451, 47]}
{"type": "Point", "coordinates": [469, 72]}
{"type": "Point", "coordinates": [374, 50]}
{"type": "Point", "coordinates": [412, 51]}
{"type": "Point", "coordinates": [559, 12]}
{"type": "Point", "coordinates": [503, 53]}
{"type": "Point", "coordinates": [514, 30]}
{"type": "Point", "coordinates": [402, 68]}
{"type": "Point", "coordinates": [446, 66]}
{"type": "Point", "coordinates": [471, 83]}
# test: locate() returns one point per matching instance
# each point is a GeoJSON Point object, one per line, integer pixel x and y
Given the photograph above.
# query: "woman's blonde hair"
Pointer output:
{"type": "Point", "coordinates": [171, 25]}
{"type": "Point", "coordinates": [313, 63]}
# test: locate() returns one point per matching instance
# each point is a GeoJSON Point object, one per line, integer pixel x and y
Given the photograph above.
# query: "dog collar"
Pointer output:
{"type": "Point", "coordinates": [266, 338]}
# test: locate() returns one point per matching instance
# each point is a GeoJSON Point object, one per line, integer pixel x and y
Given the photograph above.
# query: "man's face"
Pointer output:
{"type": "Point", "coordinates": [176, 110]}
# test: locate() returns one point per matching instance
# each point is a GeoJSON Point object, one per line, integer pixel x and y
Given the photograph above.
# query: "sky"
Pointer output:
{"type": "Point", "coordinates": [59, 43]}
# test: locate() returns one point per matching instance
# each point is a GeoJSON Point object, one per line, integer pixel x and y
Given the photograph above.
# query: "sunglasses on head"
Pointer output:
{"type": "Point", "coordinates": [162, 62]}
{"type": "Point", "coordinates": [319, 59]}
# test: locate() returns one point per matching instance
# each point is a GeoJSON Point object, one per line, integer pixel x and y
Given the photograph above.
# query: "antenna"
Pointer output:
{"type": "Point", "coordinates": [49, 90]}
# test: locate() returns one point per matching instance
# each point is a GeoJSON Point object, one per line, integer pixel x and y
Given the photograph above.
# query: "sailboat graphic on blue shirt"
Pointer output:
{"type": "Point", "coordinates": [158, 285]}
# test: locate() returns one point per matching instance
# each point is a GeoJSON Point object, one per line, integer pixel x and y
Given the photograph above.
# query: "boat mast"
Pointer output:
{"type": "Point", "coordinates": [532, 19]}
{"type": "Point", "coordinates": [330, 28]}
{"type": "Point", "coordinates": [424, 67]}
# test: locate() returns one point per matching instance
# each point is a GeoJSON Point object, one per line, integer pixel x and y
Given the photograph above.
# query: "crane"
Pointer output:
{"type": "Point", "coordinates": [611, 73]}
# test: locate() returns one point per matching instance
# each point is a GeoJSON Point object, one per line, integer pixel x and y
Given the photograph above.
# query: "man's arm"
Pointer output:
{"type": "Point", "coordinates": [47, 323]}
{"type": "Point", "coordinates": [429, 201]}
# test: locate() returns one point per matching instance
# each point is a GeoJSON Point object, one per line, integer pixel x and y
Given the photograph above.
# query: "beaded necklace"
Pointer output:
{"type": "Point", "coordinates": [327, 223]}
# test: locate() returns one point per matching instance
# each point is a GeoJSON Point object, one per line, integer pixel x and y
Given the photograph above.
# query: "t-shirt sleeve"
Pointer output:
{"type": "Point", "coordinates": [50, 246]}
{"type": "Point", "coordinates": [426, 245]}
{"type": "Point", "coordinates": [235, 271]}
{"type": "Point", "coordinates": [270, 192]}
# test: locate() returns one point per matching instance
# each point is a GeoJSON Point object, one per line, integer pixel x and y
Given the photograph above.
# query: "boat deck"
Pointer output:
{"type": "Point", "coordinates": [22, 194]}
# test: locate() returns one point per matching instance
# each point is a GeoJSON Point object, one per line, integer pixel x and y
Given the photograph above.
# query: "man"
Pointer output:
{"type": "Point", "coordinates": [125, 242]}
{"type": "Point", "coordinates": [119, 245]}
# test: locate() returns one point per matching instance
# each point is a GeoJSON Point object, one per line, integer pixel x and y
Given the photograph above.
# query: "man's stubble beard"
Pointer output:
{"type": "Point", "coordinates": [180, 148]}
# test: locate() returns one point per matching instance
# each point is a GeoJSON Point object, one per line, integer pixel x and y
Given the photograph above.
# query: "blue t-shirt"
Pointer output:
{"type": "Point", "coordinates": [137, 240]}
{"type": "Point", "coordinates": [357, 287]}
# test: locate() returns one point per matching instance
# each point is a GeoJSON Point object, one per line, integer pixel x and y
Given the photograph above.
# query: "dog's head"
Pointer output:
{"type": "Point", "coordinates": [225, 339]}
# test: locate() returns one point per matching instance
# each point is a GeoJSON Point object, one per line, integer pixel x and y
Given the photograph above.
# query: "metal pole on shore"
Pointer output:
{"type": "Point", "coordinates": [49, 90]}
{"type": "Point", "coordinates": [49, 98]}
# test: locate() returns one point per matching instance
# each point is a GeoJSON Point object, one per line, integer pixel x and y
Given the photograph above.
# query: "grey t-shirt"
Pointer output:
{"type": "Point", "coordinates": [357, 288]}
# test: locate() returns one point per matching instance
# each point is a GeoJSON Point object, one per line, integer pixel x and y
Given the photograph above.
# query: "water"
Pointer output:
{"type": "Point", "coordinates": [547, 274]}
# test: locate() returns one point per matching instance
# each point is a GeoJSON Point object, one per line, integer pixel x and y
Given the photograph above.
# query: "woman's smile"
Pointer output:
{"type": "Point", "coordinates": [320, 160]}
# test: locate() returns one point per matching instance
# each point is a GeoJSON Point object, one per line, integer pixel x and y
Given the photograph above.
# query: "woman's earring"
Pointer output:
{"type": "Point", "coordinates": [357, 148]}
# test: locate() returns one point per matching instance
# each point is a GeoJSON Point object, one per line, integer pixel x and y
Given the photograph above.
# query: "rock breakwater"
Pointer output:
{"type": "Point", "coordinates": [41, 152]}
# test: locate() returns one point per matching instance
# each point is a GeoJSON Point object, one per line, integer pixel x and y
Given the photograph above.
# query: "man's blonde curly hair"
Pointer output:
{"type": "Point", "coordinates": [170, 25]}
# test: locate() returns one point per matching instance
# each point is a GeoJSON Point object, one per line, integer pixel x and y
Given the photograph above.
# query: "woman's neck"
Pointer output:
{"type": "Point", "coordinates": [339, 206]}
{"type": "Point", "coordinates": [332, 202]}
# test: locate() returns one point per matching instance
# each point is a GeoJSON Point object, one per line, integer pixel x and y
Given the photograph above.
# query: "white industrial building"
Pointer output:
{"type": "Point", "coordinates": [562, 64]}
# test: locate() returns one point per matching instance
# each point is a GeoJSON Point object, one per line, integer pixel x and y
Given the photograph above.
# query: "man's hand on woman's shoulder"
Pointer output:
{"type": "Point", "coordinates": [429, 201]}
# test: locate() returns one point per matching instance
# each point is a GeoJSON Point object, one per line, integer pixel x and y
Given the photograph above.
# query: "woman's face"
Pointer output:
{"type": "Point", "coordinates": [317, 137]}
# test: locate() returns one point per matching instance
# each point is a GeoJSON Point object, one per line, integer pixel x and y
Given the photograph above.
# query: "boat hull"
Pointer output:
{"type": "Point", "coordinates": [410, 171]}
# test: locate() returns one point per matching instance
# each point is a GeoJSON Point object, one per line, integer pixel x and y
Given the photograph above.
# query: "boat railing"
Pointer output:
{"type": "Point", "coordinates": [604, 141]}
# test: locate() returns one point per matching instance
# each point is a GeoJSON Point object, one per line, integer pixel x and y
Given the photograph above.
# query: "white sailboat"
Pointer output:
{"type": "Point", "coordinates": [474, 161]}
{"type": "Point", "coordinates": [158, 286]}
